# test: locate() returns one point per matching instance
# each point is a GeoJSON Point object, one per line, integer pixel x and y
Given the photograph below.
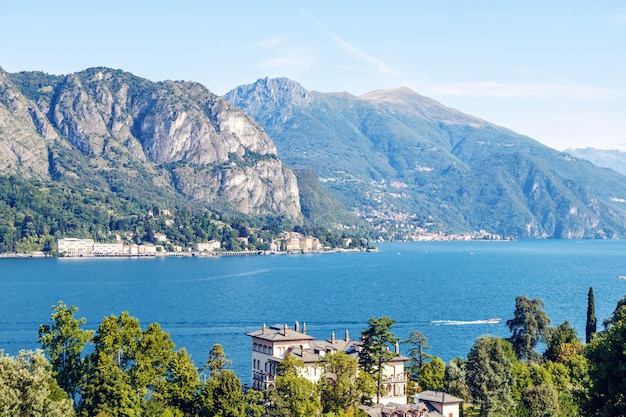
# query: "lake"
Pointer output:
{"type": "Point", "coordinates": [443, 289]}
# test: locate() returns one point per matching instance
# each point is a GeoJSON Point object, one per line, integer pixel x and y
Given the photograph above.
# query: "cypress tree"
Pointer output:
{"type": "Point", "coordinates": [591, 316]}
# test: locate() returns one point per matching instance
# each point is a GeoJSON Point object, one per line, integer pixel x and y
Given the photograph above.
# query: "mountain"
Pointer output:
{"type": "Point", "coordinates": [168, 142]}
{"type": "Point", "coordinates": [613, 159]}
{"type": "Point", "coordinates": [408, 164]}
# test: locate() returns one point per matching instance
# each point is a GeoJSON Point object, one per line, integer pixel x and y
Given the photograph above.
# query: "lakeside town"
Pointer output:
{"type": "Point", "coordinates": [287, 243]}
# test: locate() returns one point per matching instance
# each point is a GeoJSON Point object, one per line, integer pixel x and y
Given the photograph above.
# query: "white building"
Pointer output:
{"type": "Point", "coordinates": [445, 404]}
{"type": "Point", "coordinates": [210, 246]}
{"type": "Point", "coordinates": [108, 249]}
{"type": "Point", "coordinates": [72, 246]}
{"type": "Point", "coordinates": [270, 345]}
{"type": "Point", "coordinates": [160, 237]}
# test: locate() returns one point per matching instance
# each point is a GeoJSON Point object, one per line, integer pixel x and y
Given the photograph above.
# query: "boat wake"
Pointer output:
{"type": "Point", "coordinates": [463, 322]}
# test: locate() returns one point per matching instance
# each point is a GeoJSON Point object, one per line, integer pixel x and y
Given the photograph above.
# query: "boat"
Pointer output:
{"type": "Point", "coordinates": [494, 321]}
{"type": "Point", "coordinates": [621, 277]}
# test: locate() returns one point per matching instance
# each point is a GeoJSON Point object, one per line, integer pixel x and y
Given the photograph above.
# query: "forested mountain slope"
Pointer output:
{"type": "Point", "coordinates": [397, 157]}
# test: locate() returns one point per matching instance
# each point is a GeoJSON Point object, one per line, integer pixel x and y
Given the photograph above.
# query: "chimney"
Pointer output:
{"type": "Point", "coordinates": [332, 338]}
{"type": "Point", "coordinates": [263, 329]}
{"type": "Point", "coordinates": [347, 336]}
{"type": "Point", "coordinates": [285, 330]}
{"type": "Point", "coordinates": [304, 328]}
{"type": "Point", "coordinates": [397, 348]}
{"type": "Point", "coordinates": [297, 327]}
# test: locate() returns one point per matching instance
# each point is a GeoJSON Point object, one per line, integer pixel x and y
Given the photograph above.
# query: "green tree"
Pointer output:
{"type": "Point", "coordinates": [541, 401]}
{"type": "Point", "coordinates": [607, 367]}
{"type": "Point", "coordinates": [183, 384]}
{"type": "Point", "coordinates": [222, 396]}
{"type": "Point", "coordinates": [127, 368]}
{"type": "Point", "coordinates": [560, 339]}
{"type": "Point", "coordinates": [254, 403]}
{"type": "Point", "coordinates": [63, 340]}
{"type": "Point", "coordinates": [528, 327]}
{"type": "Point", "coordinates": [454, 382]}
{"type": "Point", "coordinates": [292, 395]}
{"type": "Point", "coordinates": [338, 386]}
{"type": "Point", "coordinates": [590, 328]}
{"type": "Point", "coordinates": [377, 349]}
{"type": "Point", "coordinates": [217, 361]}
{"type": "Point", "coordinates": [27, 388]}
{"type": "Point", "coordinates": [432, 375]}
{"type": "Point", "coordinates": [418, 343]}
{"type": "Point", "coordinates": [489, 377]}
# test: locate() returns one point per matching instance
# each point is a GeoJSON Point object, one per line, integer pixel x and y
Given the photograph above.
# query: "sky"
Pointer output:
{"type": "Point", "coordinates": [552, 70]}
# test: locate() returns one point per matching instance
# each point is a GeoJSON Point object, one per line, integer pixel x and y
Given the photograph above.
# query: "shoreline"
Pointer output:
{"type": "Point", "coordinates": [40, 255]}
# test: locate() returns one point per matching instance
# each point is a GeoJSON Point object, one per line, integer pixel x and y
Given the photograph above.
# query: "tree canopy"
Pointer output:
{"type": "Point", "coordinates": [528, 326]}
{"type": "Point", "coordinates": [378, 347]}
{"type": "Point", "coordinates": [607, 366]}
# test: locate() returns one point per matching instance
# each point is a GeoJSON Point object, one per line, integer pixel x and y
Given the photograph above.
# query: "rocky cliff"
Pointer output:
{"type": "Point", "coordinates": [168, 139]}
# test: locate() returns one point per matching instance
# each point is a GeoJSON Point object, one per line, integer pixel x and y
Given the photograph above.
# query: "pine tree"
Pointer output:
{"type": "Point", "coordinates": [591, 316]}
{"type": "Point", "coordinates": [375, 350]}
{"type": "Point", "coordinates": [528, 327]}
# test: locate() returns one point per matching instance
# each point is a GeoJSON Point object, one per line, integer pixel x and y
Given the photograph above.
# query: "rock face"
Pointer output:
{"type": "Point", "coordinates": [163, 138]}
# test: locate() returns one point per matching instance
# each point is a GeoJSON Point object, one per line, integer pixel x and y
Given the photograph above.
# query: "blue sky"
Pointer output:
{"type": "Point", "coordinates": [553, 70]}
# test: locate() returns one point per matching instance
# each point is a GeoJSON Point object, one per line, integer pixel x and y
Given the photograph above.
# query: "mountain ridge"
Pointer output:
{"type": "Point", "coordinates": [171, 139]}
{"type": "Point", "coordinates": [394, 154]}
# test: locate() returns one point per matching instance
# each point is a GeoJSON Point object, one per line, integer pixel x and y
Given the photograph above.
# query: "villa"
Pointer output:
{"type": "Point", "coordinates": [271, 344]}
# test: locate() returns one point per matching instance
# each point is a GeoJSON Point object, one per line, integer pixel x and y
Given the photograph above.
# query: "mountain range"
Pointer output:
{"type": "Point", "coordinates": [399, 158]}
{"type": "Point", "coordinates": [403, 162]}
{"type": "Point", "coordinates": [168, 141]}
{"type": "Point", "coordinates": [605, 158]}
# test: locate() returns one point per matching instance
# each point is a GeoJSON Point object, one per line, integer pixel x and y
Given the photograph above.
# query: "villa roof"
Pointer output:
{"type": "Point", "coordinates": [436, 397]}
{"type": "Point", "coordinates": [279, 333]}
{"type": "Point", "coordinates": [393, 409]}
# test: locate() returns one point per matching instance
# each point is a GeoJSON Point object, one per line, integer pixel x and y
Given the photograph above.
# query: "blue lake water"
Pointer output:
{"type": "Point", "coordinates": [208, 300]}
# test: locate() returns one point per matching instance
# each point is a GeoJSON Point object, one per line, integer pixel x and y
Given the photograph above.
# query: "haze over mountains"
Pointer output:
{"type": "Point", "coordinates": [402, 161]}
{"type": "Point", "coordinates": [613, 159]}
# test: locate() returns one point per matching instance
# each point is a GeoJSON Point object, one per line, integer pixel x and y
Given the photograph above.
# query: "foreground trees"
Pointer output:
{"type": "Point", "coordinates": [292, 394]}
{"type": "Point", "coordinates": [528, 327]}
{"type": "Point", "coordinates": [378, 347]}
{"type": "Point", "coordinates": [27, 388]}
{"type": "Point", "coordinates": [63, 340]}
{"type": "Point", "coordinates": [607, 366]}
{"type": "Point", "coordinates": [489, 377]}
{"type": "Point", "coordinates": [135, 371]}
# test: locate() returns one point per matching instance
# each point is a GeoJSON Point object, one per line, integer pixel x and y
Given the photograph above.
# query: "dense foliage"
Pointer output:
{"type": "Point", "coordinates": [34, 214]}
{"type": "Point", "coordinates": [137, 371]}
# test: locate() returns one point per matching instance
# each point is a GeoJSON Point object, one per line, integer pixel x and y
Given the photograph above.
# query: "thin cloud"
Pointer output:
{"type": "Point", "coordinates": [271, 42]}
{"type": "Point", "coordinates": [365, 57]}
{"type": "Point", "coordinates": [524, 90]}
{"type": "Point", "coordinates": [358, 53]}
